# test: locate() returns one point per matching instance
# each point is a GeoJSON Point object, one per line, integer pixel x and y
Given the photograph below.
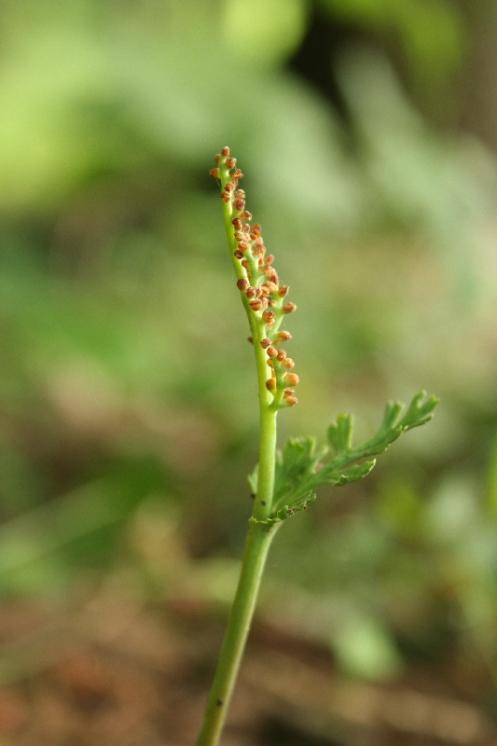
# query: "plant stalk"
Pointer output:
{"type": "Point", "coordinates": [259, 536]}
{"type": "Point", "coordinates": [259, 539]}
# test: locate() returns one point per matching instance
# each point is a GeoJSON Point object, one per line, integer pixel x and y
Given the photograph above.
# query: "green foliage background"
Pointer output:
{"type": "Point", "coordinates": [127, 391]}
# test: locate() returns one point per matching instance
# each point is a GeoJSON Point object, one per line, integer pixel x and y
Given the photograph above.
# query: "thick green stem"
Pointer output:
{"type": "Point", "coordinates": [254, 558]}
{"type": "Point", "coordinates": [259, 538]}
{"type": "Point", "coordinates": [260, 534]}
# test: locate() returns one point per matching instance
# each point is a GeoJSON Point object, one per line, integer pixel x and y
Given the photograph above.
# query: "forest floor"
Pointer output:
{"type": "Point", "coordinates": [110, 675]}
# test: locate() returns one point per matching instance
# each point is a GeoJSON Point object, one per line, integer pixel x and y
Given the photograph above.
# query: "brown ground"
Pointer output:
{"type": "Point", "coordinates": [118, 676]}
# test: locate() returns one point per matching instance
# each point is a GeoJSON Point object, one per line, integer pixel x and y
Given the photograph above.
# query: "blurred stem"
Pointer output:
{"type": "Point", "coordinates": [260, 534]}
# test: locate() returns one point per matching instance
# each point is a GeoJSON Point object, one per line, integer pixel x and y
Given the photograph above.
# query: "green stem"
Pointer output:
{"type": "Point", "coordinates": [254, 558]}
{"type": "Point", "coordinates": [259, 537]}
{"type": "Point", "coordinates": [267, 460]}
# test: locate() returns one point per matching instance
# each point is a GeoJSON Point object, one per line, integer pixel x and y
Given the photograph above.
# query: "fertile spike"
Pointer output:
{"type": "Point", "coordinates": [259, 284]}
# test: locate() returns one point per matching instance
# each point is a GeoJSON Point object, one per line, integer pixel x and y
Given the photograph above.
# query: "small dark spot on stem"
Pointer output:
{"type": "Point", "coordinates": [263, 502]}
{"type": "Point", "coordinates": [219, 702]}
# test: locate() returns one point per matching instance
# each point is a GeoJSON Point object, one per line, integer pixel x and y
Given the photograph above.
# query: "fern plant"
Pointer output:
{"type": "Point", "coordinates": [287, 481]}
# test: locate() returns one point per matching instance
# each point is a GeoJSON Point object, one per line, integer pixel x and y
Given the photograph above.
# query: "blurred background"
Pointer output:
{"type": "Point", "coordinates": [367, 130]}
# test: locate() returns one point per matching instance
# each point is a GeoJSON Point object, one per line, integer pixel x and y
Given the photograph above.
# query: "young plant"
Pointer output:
{"type": "Point", "coordinates": [283, 482]}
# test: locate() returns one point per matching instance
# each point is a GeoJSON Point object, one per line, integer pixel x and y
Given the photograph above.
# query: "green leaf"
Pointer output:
{"type": "Point", "coordinates": [419, 411]}
{"type": "Point", "coordinates": [353, 473]}
{"type": "Point", "coordinates": [294, 465]}
{"type": "Point", "coordinates": [296, 506]}
{"type": "Point", "coordinates": [301, 470]}
{"type": "Point", "coordinates": [391, 416]}
{"type": "Point", "coordinates": [340, 433]}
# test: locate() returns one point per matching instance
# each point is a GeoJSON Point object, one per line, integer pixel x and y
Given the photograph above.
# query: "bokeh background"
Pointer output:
{"type": "Point", "coordinates": [368, 133]}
